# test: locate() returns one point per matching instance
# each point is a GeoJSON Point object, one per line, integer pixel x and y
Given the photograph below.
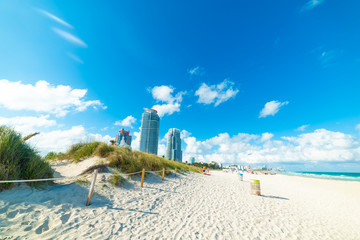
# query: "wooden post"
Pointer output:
{"type": "Point", "coordinates": [189, 170]}
{"type": "Point", "coordinates": [175, 172]}
{"type": "Point", "coordinates": [163, 175]}
{"type": "Point", "coordinates": [91, 190]}
{"type": "Point", "coordinates": [183, 171]}
{"type": "Point", "coordinates": [142, 177]}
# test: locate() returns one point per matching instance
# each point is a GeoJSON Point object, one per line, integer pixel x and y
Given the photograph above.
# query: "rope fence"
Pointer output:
{"type": "Point", "coordinates": [94, 174]}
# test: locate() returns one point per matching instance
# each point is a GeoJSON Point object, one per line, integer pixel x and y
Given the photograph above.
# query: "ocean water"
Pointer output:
{"type": "Point", "coordinates": [344, 176]}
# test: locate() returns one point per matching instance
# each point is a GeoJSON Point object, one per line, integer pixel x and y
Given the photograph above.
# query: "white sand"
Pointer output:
{"type": "Point", "coordinates": [186, 207]}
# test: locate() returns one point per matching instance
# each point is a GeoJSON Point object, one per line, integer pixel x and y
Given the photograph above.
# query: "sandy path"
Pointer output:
{"type": "Point", "coordinates": [186, 207]}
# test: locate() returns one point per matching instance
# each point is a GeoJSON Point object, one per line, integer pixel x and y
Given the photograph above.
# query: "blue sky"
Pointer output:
{"type": "Point", "coordinates": [272, 82]}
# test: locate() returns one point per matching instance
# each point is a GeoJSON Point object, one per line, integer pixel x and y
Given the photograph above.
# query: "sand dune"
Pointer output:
{"type": "Point", "coordinates": [186, 207]}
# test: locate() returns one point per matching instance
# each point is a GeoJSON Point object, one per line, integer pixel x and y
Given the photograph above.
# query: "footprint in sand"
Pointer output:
{"type": "Point", "coordinates": [12, 214]}
{"type": "Point", "coordinates": [64, 218]}
{"type": "Point", "coordinates": [43, 227]}
{"type": "Point", "coordinates": [28, 228]}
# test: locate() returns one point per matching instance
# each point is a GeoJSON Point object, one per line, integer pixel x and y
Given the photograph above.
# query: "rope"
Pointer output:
{"type": "Point", "coordinates": [128, 174]}
{"type": "Point", "coordinates": [40, 180]}
{"type": "Point", "coordinates": [63, 178]}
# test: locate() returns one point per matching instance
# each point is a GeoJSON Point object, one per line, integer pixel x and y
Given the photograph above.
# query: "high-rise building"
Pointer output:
{"type": "Point", "coordinates": [149, 131]}
{"type": "Point", "coordinates": [123, 136]}
{"type": "Point", "coordinates": [192, 160]}
{"type": "Point", "coordinates": [173, 150]}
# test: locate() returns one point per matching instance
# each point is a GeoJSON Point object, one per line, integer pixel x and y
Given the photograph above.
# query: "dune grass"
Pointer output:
{"type": "Point", "coordinates": [123, 158]}
{"type": "Point", "coordinates": [18, 160]}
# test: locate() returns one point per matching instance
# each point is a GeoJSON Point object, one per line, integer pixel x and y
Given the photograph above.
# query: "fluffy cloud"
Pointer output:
{"type": "Point", "coordinates": [27, 124]}
{"type": "Point", "coordinates": [302, 128]}
{"type": "Point", "coordinates": [319, 146]}
{"type": "Point", "coordinates": [170, 102]}
{"type": "Point", "coordinates": [168, 108]}
{"type": "Point", "coordinates": [43, 97]}
{"type": "Point", "coordinates": [216, 93]}
{"type": "Point", "coordinates": [311, 4]}
{"type": "Point", "coordinates": [185, 134]}
{"type": "Point", "coordinates": [271, 108]}
{"type": "Point", "coordinates": [135, 142]}
{"type": "Point", "coordinates": [266, 136]}
{"type": "Point", "coordinates": [61, 140]}
{"type": "Point", "coordinates": [127, 122]}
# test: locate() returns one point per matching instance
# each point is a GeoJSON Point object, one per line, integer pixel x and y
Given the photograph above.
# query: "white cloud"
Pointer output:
{"type": "Point", "coordinates": [127, 122]}
{"type": "Point", "coordinates": [61, 140]}
{"type": "Point", "coordinates": [216, 93]}
{"type": "Point", "coordinates": [135, 142]}
{"type": "Point", "coordinates": [168, 108]}
{"type": "Point", "coordinates": [76, 58]}
{"type": "Point", "coordinates": [357, 127]}
{"type": "Point", "coordinates": [271, 108]}
{"type": "Point", "coordinates": [164, 94]}
{"type": "Point", "coordinates": [319, 146]}
{"type": "Point", "coordinates": [161, 150]}
{"type": "Point", "coordinates": [266, 136]}
{"type": "Point", "coordinates": [311, 4]}
{"type": "Point", "coordinates": [196, 71]}
{"type": "Point", "coordinates": [302, 128]}
{"type": "Point", "coordinates": [184, 134]}
{"type": "Point", "coordinates": [43, 97]}
{"type": "Point", "coordinates": [55, 18]}
{"type": "Point", "coordinates": [170, 104]}
{"type": "Point", "coordinates": [70, 38]}
{"type": "Point", "coordinates": [27, 124]}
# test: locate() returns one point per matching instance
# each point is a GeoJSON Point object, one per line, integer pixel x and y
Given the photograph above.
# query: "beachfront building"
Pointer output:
{"type": "Point", "coordinates": [173, 150]}
{"type": "Point", "coordinates": [123, 138]}
{"type": "Point", "coordinates": [149, 131]}
{"type": "Point", "coordinates": [192, 160]}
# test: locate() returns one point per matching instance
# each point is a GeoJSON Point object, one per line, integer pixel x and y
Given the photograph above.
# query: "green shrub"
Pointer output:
{"type": "Point", "coordinates": [51, 156]}
{"type": "Point", "coordinates": [18, 160]}
{"type": "Point", "coordinates": [116, 180]}
{"type": "Point", "coordinates": [103, 150]}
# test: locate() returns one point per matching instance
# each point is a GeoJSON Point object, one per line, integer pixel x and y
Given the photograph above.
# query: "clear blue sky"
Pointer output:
{"type": "Point", "coordinates": [222, 61]}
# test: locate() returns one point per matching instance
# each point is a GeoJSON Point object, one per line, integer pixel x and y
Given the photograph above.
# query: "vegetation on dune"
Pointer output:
{"type": "Point", "coordinates": [123, 158]}
{"type": "Point", "coordinates": [116, 179]}
{"type": "Point", "coordinates": [18, 160]}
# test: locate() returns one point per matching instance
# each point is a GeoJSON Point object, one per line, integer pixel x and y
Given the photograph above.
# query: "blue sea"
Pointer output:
{"type": "Point", "coordinates": [344, 176]}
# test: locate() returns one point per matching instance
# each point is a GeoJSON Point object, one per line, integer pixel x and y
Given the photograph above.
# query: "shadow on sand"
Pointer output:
{"type": "Point", "coordinates": [161, 190]}
{"type": "Point", "coordinates": [276, 197]}
{"type": "Point", "coordinates": [130, 210]}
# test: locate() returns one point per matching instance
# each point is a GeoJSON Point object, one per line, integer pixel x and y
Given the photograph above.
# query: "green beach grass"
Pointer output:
{"type": "Point", "coordinates": [18, 160]}
{"type": "Point", "coordinates": [122, 158]}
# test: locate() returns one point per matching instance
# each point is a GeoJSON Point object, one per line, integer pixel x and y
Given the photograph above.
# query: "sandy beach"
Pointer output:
{"type": "Point", "coordinates": [186, 207]}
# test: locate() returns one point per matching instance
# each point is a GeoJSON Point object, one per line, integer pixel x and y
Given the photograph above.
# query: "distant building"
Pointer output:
{"type": "Point", "coordinates": [123, 138]}
{"type": "Point", "coordinates": [192, 160]}
{"type": "Point", "coordinates": [149, 131]}
{"type": "Point", "coordinates": [173, 150]}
